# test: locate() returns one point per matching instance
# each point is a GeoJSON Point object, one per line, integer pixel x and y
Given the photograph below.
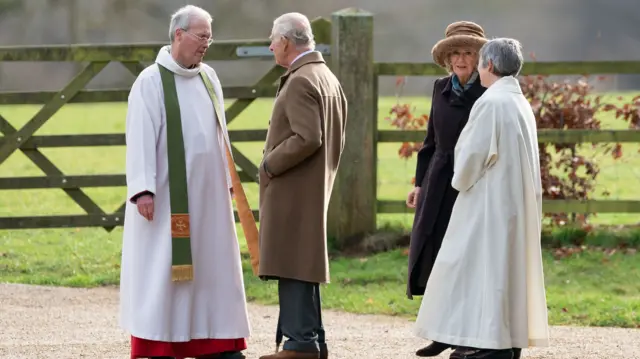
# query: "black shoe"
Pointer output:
{"type": "Point", "coordinates": [516, 353]}
{"type": "Point", "coordinates": [473, 353]}
{"type": "Point", "coordinates": [324, 352]}
{"type": "Point", "coordinates": [433, 349]}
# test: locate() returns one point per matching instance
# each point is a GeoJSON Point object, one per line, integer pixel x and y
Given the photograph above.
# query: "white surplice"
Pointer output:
{"type": "Point", "coordinates": [213, 304]}
{"type": "Point", "coordinates": [487, 285]}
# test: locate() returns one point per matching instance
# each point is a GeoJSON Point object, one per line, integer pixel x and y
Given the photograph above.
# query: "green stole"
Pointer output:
{"type": "Point", "coordinates": [181, 259]}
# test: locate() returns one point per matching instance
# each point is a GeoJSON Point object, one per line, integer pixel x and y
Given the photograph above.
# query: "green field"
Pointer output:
{"type": "Point", "coordinates": [591, 288]}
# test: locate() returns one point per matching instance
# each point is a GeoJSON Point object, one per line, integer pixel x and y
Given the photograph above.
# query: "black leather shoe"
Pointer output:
{"type": "Point", "coordinates": [433, 349]}
{"type": "Point", "coordinates": [516, 353]}
{"type": "Point", "coordinates": [473, 353]}
{"type": "Point", "coordinates": [324, 352]}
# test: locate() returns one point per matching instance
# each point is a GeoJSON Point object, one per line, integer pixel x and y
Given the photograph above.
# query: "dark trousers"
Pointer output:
{"type": "Point", "coordinates": [300, 318]}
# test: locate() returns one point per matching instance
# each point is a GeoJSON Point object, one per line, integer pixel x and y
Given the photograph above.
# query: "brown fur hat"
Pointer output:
{"type": "Point", "coordinates": [458, 34]}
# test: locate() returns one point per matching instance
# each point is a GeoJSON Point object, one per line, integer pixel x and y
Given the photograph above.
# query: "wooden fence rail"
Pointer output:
{"type": "Point", "coordinates": [544, 136]}
{"type": "Point", "coordinates": [347, 43]}
{"type": "Point", "coordinates": [529, 68]}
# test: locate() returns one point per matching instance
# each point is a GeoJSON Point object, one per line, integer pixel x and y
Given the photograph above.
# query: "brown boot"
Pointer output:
{"type": "Point", "coordinates": [290, 354]}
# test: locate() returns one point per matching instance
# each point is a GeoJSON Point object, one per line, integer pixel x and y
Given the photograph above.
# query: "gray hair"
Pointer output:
{"type": "Point", "coordinates": [297, 28]}
{"type": "Point", "coordinates": [505, 54]}
{"type": "Point", "coordinates": [181, 19]}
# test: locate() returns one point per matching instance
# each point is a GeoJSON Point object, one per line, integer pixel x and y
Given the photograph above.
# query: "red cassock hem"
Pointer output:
{"type": "Point", "coordinates": [143, 348]}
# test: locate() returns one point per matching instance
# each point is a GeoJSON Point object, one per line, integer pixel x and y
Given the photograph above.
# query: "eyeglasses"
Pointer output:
{"type": "Point", "coordinates": [207, 39]}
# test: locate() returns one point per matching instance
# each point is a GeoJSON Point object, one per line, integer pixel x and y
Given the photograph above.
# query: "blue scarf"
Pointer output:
{"type": "Point", "coordinates": [457, 88]}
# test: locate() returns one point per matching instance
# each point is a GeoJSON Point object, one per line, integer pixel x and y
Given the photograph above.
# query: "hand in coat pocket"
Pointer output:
{"type": "Point", "coordinates": [263, 176]}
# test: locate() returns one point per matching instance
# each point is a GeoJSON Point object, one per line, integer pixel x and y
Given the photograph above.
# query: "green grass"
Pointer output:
{"type": "Point", "coordinates": [589, 288]}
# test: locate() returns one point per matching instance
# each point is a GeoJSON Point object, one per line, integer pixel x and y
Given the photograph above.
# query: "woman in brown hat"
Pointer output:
{"type": "Point", "coordinates": [433, 197]}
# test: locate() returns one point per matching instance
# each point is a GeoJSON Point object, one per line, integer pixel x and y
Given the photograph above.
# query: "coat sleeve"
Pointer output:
{"type": "Point", "coordinates": [302, 107]}
{"type": "Point", "coordinates": [142, 129]}
{"type": "Point", "coordinates": [428, 147]}
{"type": "Point", "coordinates": [477, 148]}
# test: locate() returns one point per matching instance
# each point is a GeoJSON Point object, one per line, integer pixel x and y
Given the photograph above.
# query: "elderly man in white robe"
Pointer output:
{"type": "Point", "coordinates": [486, 294]}
{"type": "Point", "coordinates": [182, 290]}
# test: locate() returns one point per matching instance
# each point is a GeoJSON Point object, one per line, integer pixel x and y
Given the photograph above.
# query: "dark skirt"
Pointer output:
{"type": "Point", "coordinates": [433, 212]}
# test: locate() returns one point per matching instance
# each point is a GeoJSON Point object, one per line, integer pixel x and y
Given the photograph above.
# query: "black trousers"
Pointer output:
{"type": "Point", "coordinates": [300, 318]}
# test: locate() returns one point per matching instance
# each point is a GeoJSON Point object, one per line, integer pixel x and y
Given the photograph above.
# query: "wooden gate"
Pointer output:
{"type": "Point", "coordinates": [96, 58]}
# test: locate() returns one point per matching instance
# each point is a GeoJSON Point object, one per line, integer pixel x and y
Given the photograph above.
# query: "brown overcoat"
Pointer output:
{"type": "Point", "coordinates": [304, 143]}
{"type": "Point", "coordinates": [434, 171]}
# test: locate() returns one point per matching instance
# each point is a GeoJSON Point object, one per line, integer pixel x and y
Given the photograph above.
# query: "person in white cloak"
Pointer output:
{"type": "Point", "coordinates": [486, 294]}
{"type": "Point", "coordinates": [181, 290]}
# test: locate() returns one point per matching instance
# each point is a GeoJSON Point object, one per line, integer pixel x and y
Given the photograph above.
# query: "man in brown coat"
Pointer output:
{"type": "Point", "coordinates": [302, 151]}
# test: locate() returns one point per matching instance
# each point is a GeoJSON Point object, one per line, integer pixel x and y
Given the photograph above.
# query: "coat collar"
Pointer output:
{"type": "Point", "coordinates": [311, 57]}
{"type": "Point", "coordinates": [508, 84]}
{"type": "Point", "coordinates": [476, 90]}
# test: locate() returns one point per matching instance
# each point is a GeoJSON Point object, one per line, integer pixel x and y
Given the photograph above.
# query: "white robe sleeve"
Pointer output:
{"type": "Point", "coordinates": [477, 147]}
{"type": "Point", "coordinates": [142, 129]}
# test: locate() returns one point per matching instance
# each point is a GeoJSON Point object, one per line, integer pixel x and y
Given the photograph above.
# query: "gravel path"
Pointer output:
{"type": "Point", "coordinates": [43, 322]}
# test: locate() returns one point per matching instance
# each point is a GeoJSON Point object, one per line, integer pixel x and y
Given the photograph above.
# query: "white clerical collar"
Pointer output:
{"type": "Point", "coordinates": [299, 56]}
{"type": "Point", "coordinates": [165, 59]}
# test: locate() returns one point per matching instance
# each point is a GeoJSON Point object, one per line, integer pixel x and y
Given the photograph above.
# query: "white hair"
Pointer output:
{"type": "Point", "coordinates": [181, 19]}
{"type": "Point", "coordinates": [295, 27]}
{"type": "Point", "coordinates": [505, 54]}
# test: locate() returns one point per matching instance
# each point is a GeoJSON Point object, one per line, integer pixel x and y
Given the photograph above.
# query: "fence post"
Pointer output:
{"type": "Point", "coordinates": [352, 209]}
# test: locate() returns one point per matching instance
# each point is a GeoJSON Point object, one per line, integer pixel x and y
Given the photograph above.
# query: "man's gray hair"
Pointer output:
{"type": "Point", "coordinates": [181, 19]}
{"type": "Point", "coordinates": [505, 54]}
{"type": "Point", "coordinates": [297, 28]}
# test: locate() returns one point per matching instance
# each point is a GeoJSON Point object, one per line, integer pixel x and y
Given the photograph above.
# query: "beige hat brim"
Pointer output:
{"type": "Point", "coordinates": [445, 46]}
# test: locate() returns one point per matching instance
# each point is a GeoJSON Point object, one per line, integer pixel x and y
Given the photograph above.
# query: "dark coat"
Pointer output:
{"type": "Point", "coordinates": [304, 144]}
{"type": "Point", "coordinates": [434, 171]}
